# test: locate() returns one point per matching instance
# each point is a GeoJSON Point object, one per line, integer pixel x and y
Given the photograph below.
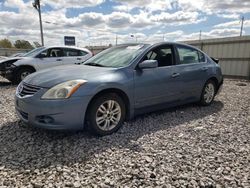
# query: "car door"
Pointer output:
{"type": "Point", "coordinates": [191, 71]}
{"type": "Point", "coordinates": [156, 85]}
{"type": "Point", "coordinates": [83, 56]}
{"type": "Point", "coordinates": [71, 56]}
{"type": "Point", "coordinates": [49, 58]}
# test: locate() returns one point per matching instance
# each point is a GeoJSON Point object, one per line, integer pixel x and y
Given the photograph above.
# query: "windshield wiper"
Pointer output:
{"type": "Point", "coordinates": [95, 64]}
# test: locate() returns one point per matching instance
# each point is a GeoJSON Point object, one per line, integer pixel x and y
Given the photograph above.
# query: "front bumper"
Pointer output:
{"type": "Point", "coordinates": [67, 114]}
{"type": "Point", "coordinates": [9, 74]}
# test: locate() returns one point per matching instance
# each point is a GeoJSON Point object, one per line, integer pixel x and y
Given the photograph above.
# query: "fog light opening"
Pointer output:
{"type": "Point", "coordinates": [45, 119]}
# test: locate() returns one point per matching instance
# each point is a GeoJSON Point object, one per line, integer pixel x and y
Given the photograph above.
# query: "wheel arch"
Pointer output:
{"type": "Point", "coordinates": [25, 66]}
{"type": "Point", "coordinates": [117, 91]}
{"type": "Point", "coordinates": [215, 80]}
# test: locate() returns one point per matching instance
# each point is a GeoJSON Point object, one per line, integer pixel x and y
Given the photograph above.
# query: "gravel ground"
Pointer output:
{"type": "Point", "coordinates": [188, 146]}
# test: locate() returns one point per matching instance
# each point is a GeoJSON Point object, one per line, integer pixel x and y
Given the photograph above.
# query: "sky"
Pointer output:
{"type": "Point", "coordinates": [101, 22]}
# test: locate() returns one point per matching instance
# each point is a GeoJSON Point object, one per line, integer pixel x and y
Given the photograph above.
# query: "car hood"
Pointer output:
{"type": "Point", "coordinates": [11, 59]}
{"type": "Point", "coordinates": [48, 78]}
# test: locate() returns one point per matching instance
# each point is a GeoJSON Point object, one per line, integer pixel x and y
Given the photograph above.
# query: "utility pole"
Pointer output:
{"type": "Point", "coordinates": [200, 36]}
{"type": "Point", "coordinates": [242, 25]}
{"type": "Point", "coordinates": [37, 6]}
{"type": "Point", "coordinates": [116, 39]}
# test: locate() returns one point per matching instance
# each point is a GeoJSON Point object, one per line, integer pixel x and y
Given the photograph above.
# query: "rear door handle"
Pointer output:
{"type": "Point", "coordinates": [59, 60]}
{"type": "Point", "coordinates": [204, 68]}
{"type": "Point", "coordinates": [78, 58]}
{"type": "Point", "coordinates": [175, 75]}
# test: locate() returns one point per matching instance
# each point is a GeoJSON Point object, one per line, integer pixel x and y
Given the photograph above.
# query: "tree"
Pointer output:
{"type": "Point", "coordinates": [5, 43]}
{"type": "Point", "coordinates": [37, 45]}
{"type": "Point", "coordinates": [23, 44]}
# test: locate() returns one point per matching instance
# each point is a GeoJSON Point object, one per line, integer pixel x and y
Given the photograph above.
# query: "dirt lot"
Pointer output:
{"type": "Point", "coordinates": [186, 146]}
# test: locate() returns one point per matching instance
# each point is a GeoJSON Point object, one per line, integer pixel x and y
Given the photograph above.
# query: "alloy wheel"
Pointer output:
{"type": "Point", "coordinates": [24, 74]}
{"type": "Point", "coordinates": [209, 93]}
{"type": "Point", "coordinates": [108, 115]}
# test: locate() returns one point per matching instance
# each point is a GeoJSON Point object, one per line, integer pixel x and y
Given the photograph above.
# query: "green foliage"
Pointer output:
{"type": "Point", "coordinates": [5, 43]}
{"type": "Point", "coordinates": [23, 44]}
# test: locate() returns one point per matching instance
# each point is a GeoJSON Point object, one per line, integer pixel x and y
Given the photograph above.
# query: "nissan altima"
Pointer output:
{"type": "Point", "coordinates": [116, 85]}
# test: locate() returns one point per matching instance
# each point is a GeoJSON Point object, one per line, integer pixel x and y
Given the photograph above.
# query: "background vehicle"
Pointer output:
{"type": "Point", "coordinates": [17, 68]}
{"type": "Point", "coordinates": [17, 55]}
{"type": "Point", "coordinates": [2, 57]}
{"type": "Point", "coordinates": [118, 84]}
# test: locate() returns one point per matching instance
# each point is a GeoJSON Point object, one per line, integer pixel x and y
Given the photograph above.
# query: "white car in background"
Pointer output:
{"type": "Point", "coordinates": [17, 68]}
{"type": "Point", "coordinates": [2, 57]}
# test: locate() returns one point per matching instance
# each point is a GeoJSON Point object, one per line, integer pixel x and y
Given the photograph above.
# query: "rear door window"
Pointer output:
{"type": "Point", "coordinates": [82, 53]}
{"type": "Point", "coordinates": [68, 52]}
{"type": "Point", "coordinates": [189, 55]}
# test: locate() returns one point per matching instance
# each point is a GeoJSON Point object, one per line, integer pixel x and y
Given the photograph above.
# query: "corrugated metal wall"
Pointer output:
{"type": "Point", "coordinates": [233, 53]}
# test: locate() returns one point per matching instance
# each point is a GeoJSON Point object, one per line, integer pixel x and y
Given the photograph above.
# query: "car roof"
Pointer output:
{"type": "Point", "coordinates": [159, 44]}
{"type": "Point", "coordinates": [72, 47]}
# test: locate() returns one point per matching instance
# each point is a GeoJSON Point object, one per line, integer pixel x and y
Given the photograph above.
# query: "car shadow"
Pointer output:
{"type": "Point", "coordinates": [26, 148]}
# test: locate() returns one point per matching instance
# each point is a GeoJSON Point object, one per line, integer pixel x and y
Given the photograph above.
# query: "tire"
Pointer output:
{"type": "Point", "coordinates": [103, 121]}
{"type": "Point", "coordinates": [21, 74]}
{"type": "Point", "coordinates": [208, 93]}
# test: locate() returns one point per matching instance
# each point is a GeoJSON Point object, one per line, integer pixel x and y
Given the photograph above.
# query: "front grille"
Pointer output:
{"type": "Point", "coordinates": [27, 89]}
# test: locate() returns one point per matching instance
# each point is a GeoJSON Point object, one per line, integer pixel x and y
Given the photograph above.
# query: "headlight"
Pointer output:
{"type": "Point", "coordinates": [63, 90]}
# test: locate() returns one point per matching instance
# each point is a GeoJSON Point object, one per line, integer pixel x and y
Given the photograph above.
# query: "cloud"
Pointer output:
{"type": "Point", "coordinates": [149, 5]}
{"type": "Point", "coordinates": [14, 4]}
{"type": "Point", "coordinates": [229, 16]}
{"type": "Point", "coordinates": [91, 19]}
{"type": "Point", "coordinates": [72, 3]}
{"type": "Point", "coordinates": [119, 20]}
{"type": "Point", "coordinates": [215, 33]}
{"type": "Point", "coordinates": [215, 6]}
{"type": "Point", "coordinates": [144, 19]}
{"type": "Point", "coordinates": [177, 18]}
{"type": "Point", "coordinates": [233, 24]}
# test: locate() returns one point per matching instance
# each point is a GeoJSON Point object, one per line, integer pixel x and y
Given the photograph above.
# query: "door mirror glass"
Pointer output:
{"type": "Point", "coordinates": [147, 64]}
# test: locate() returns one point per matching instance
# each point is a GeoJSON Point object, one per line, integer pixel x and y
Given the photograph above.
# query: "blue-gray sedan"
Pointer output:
{"type": "Point", "coordinates": [116, 85]}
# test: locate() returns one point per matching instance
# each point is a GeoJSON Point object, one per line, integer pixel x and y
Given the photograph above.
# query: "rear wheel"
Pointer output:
{"type": "Point", "coordinates": [106, 114]}
{"type": "Point", "coordinates": [208, 93]}
{"type": "Point", "coordinates": [22, 73]}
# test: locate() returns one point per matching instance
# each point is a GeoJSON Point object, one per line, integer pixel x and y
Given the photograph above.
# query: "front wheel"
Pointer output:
{"type": "Point", "coordinates": [21, 74]}
{"type": "Point", "coordinates": [106, 114]}
{"type": "Point", "coordinates": [208, 93]}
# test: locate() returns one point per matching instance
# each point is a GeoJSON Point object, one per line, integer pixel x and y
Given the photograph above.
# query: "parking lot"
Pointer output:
{"type": "Point", "coordinates": [186, 146]}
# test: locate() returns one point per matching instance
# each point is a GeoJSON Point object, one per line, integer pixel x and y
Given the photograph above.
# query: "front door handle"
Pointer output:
{"type": "Point", "coordinates": [204, 68]}
{"type": "Point", "coordinates": [59, 60]}
{"type": "Point", "coordinates": [175, 75]}
{"type": "Point", "coordinates": [78, 58]}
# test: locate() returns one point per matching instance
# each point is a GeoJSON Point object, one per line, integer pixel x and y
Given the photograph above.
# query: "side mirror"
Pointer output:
{"type": "Point", "coordinates": [148, 64]}
{"type": "Point", "coordinates": [41, 56]}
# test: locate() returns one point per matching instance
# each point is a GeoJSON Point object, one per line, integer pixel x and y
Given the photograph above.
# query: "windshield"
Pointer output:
{"type": "Point", "coordinates": [33, 52]}
{"type": "Point", "coordinates": [120, 56]}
